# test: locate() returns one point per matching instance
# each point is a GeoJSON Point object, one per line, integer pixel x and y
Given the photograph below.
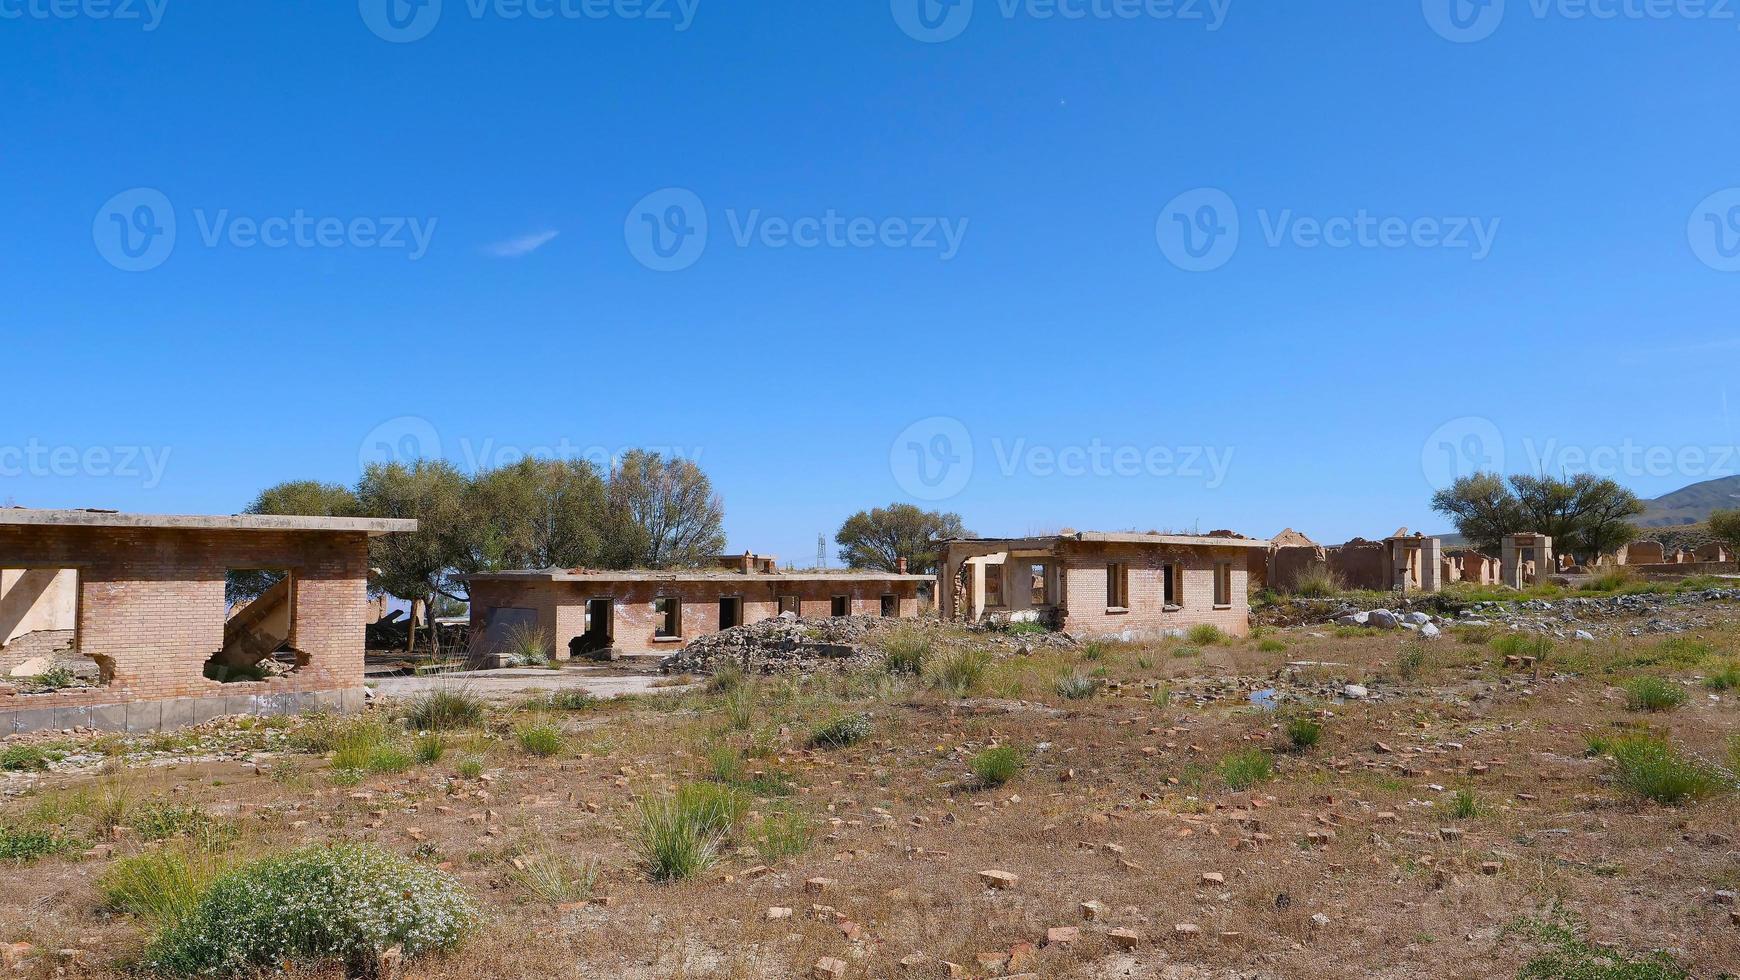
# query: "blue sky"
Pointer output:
{"type": "Point", "coordinates": [1539, 216]}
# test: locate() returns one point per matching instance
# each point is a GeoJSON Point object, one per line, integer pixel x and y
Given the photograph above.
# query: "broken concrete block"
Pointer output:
{"type": "Point", "coordinates": [828, 968]}
{"type": "Point", "coordinates": [999, 879]}
{"type": "Point", "coordinates": [1124, 938]}
{"type": "Point", "coordinates": [1062, 935]}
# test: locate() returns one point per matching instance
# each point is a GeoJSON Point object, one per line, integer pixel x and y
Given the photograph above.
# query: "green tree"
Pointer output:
{"type": "Point", "coordinates": [1483, 509]}
{"type": "Point", "coordinates": [538, 513]}
{"type": "Point", "coordinates": [664, 513]}
{"type": "Point", "coordinates": [879, 538]}
{"type": "Point", "coordinates": [1725, 527]}
{"type": "Point", "coordinates": [295, 498]}
{"type": "Point", "coordinates": [425, 563]}
{"type": "Point", "coordinates": [1585, 515]}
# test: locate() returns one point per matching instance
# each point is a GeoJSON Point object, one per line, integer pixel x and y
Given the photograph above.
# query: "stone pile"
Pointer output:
{"type": "Point", "coordinates": [785, 644]}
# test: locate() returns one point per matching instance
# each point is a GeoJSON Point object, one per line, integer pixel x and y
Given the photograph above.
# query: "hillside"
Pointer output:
{"type": "Point", "coordinates": [1693, 504]}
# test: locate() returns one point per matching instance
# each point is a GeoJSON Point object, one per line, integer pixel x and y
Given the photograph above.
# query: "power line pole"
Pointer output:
{"type": "Point", "coordinates": [821, 551]}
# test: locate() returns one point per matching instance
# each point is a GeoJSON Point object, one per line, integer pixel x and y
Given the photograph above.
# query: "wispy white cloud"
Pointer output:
{"type": "Point", "coordinates": [524, 245]}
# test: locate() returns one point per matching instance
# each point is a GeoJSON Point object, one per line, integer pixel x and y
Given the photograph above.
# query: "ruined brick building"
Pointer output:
{"type": "Point", "coordinates": [121, 622]}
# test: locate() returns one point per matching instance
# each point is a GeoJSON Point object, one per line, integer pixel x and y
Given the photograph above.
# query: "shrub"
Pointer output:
{"type": "Point", "coordinates": [841, 731]}
{"type": "Point", "coordinates": [161, 887]}
{"type": "Point", "coordinates": [1185, 653]}
{"type": "Point", "coordinates": [1465, 805]}
{"type": "Point", "coordinates": [1653, 694]}
{"type": "Point", "coordinates": [908, 650]}
{"type": "Point", "coordinates": [784, 832]}
{"type": "Point", "coordinates": [1409, 662]}
{"type": "Point", "coordinates": [344, 904]}
{"type": "Point", "coordinates": [994, 767]}
{"type": "Point", "coordinates": [1205, 635]}
{"type": "Point", "coordinates": [1247, 768]}
{"type": "Point", "coordinates": [674, 842]}
{"type": "Point", "coordinates": [1075, 686]}
{"type": "Point", "coordinates": [1724, 677]}
{"type": "Point", "coordinates": [1303, 731]}
{"type": "Point", "coordinates": [446, 710]}
{"type": "Point", "coordinates": [24, 758]}
{"type": "Point", "coordinates": [1653, 769]}
{"type": "Point", "coordinates": [1270, 645]}
{"type": "Point", "coordinates": [469, 767]}
{"type": "Point", "coordinates": [21, 846]}
{"type": "Point", "coordinates": [963, 672]}
{"type": "Point", "coordinates": [540, 738]}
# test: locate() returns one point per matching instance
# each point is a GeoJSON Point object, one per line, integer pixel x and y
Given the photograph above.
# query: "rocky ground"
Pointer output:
{"type": "Point", "coordinates": [1458, 816]}
{"type": "Point", "coordinates": [790, 645]}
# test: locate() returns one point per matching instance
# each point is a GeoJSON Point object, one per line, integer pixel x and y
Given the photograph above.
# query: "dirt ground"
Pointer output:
{"type": "Point", "coordinates": [1349, 862]}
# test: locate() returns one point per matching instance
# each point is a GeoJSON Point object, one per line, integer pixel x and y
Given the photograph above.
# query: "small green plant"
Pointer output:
{"type": "Point", "coordinates": [1160, 696]}
{"type": "Point", "coordinates": [1724, 676]}
{"type": "Point", "coordinates": [571, 699]}
{"type": "Point", "coordinates": [56, 678]}
{"type": "Point", "coordinates": [1652, 768]}
{"type": "Point", "coordinates": [841, 731]}
{"type": "Point", "coordinates": [784, 832]}
{"type": "Point", "coordinates": [25, 758]}
{"type": "Point", "coordinates": [1410, 662]}
{"type": "Point", "coordinates": [366, 746]}
{"type": "Point", "coordinates": [446, 710]}
{"type": "Point", "coordinates": [1522, 645]}
{"type": "Point", "coordinates": [1568, 956]}
{"type": "Point", "coordinates": [963, 672]}
{"type": "Point", "coordinates": [994, 767]}
{"type": "Point", "coordinates": [1029, 628]}
{"type": "Point", "coordinates": [1185, 653]}
{"type": "Point", "coordinates": [1094, 651]}
{"type": "Point", "coordinates": [470, 767]}
{"type": "Point", "coordinates": [21, 845]}
{"type": "Point", "coordinates": [1206, 635]}
{"type": "Point", "coordinates": [1303, 731]}
{"type": "Point", "coordinates": [908, 650]}
{"type": "Point", "coordinates": [430, 748]}
{"type": "Point", "coordinates": [539, 737]}
{"type": "Point", "coordinates": [1465, 805]}
{"type": "Point", "coordinates": [1246, 769]}
{"type": "Point", "coordinates": [1269, 644]}
{"type": "Point", "coordinates": [341, 904]}
{"type": "Point", "coordinates": [156, 820]}
{"type": "Point", "coordinates": [1653, 694]}
{"type": "Point", "coordinates": [677, 837]}
{"type": "Point", "coordinates": [1076, 686]}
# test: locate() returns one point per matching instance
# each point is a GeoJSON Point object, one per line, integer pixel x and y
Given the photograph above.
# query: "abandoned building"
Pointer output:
{"type": "Point", "coordinates": [581, 612]}
{"type": "Point", "coordinates": [1525, 558]}
{"type": "Point", "coordinates": [1097, 584]}
{"type": "Point", "coordinates": [1402, 562]}
{"type": "Point", "coordinates": [121, 621]}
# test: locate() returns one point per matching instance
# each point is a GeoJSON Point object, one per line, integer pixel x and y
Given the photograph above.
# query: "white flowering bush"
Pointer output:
{"type": "Point", "coordinates": [347, 903]}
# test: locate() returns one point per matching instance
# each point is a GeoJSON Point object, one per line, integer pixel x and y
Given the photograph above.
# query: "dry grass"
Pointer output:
{"type": "Point", "coordinates": [1124, 798]}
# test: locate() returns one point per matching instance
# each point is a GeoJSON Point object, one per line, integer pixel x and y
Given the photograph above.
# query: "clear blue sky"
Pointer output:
{"type": "Point", "coordinates": [1062, 153]}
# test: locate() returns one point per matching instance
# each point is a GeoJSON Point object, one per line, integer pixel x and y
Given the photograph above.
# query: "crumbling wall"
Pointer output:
{"type": "Point", "coordinates": [1289, 562]}
{"type": "Point", "coordinates": [1361, 564]}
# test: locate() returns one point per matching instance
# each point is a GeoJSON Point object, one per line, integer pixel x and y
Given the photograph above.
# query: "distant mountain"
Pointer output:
{"type": "Point", "coordinates": [1693, 504]}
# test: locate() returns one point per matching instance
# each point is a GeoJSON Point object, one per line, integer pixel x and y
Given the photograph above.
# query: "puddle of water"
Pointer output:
{"type": "Point", "coordinates": [1264, 699]}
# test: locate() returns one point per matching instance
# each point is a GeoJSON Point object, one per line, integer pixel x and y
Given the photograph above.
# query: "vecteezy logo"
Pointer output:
{"type": "Point", "coordinates": [932, 21]}
{"type": "Point", "coordinates": [400, 21]}
{"type": "Point", "coordinates": [1461, 447]}
{"type": "Point", "coordinates": [1464, 21]}
{"type": "Point", "coordinates": [932, 459]}
{"type": "Point", "coordinates": [667, 230]}
{"type": "Point", "coordinates": [1714, 230]}
{"type": "Point", "coordinates": [1199, 230]}
{"type": "Point", "coordinates": [403, 440]}
{"type": "Point", "coordinates": [135, 230]}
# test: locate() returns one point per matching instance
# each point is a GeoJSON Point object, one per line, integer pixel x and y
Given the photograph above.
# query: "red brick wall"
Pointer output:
{"type": "Point", "coordinates": [151, 605]}
{"type": "Point", "coordinates": [1086, 613]}
{"type": "Point", "coordinates": [561, 606]}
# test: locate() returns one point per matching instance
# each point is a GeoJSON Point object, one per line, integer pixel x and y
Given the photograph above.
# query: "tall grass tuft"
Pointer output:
{"type": "Point", "coordinates": [679, 836]}
{"type": "Point", "coordinates": [994, 767]}
{"type": "Point", "coordinates": [160, 887]}
{"type": "Point", "coordinates": [1076, 686]}
{"type": "Point", "coordinates": [908, 650]}
{"type": "Point", "coordinates": [963, 672]}
{"type": "Point", "coordinates": [539, 737]}
{"type": "Point", "coordinates": [1303, 731]}
{"type": "Point", "coordinates": [1724, 676]}
{"type": "Point", "coordinates": [784, 832]}
{"type": "Point", "coordinates": [557, 878]}
{"type": "Point", "coordinates": [1465, 805]}
{"type": "Point", "coordinates": [739, 708]}
{"type": "Point", "coordinates": [446, 710]}
{"type": "Point", "coordinates": [1206, 635]}
{"type": "Point", "coordinates": [1246, 769]}
{"type": "Point", "coordinates": [1652, 768]}
{"type": "Point", "coordinates": [1653, 694]}
{"type": "Point", "coordinates": [1317, 582]}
